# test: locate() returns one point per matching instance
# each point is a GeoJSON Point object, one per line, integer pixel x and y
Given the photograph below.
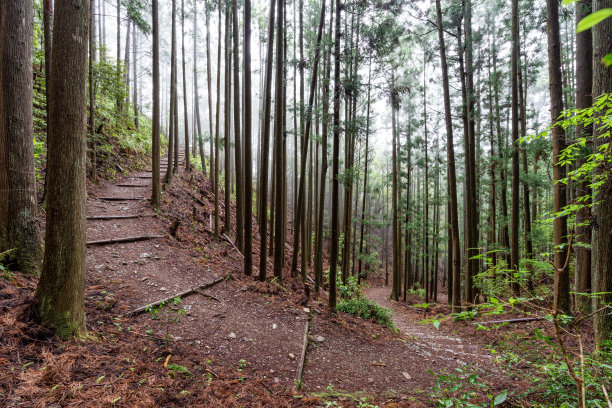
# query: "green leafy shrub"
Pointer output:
{"type": "Point", "coordinates": [366, 309]}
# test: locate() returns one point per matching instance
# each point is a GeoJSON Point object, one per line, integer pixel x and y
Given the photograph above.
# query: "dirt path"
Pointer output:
{"type": "Point", "coordinates": [432, 344]}
{"type": "Point", "coordinates": [231, 323]}
{"type": "Point", "coordinates": [255, 328]}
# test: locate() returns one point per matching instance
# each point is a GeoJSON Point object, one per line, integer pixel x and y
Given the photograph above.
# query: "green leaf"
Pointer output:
{"type": "Point", "coordinates": [607, 60]}
{"type": "Point", "coordinates": [593, 18]}
{"type": "Point", "coordinates": [501, 397]}
{"type": "Point", "coordinates": [568, 2]}
{"type": "Point", "coordinates": [436, 324]}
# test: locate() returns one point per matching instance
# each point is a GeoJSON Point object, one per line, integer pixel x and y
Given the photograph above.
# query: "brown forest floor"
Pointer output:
{"type": "Point", "coordinates": [237, 343]}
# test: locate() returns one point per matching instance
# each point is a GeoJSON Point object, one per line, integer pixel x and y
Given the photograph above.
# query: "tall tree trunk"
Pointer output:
{"type": "Point", "coordinates": [61, 288]}
{"type": "Point", "coordinates": [92, 94]}
{"type": "Point", "coordinates": [135, 75]}
{"type": "Point", "coordinates": [584, 87]}
{"type": "Point", "coordinates": [119, 101]}
{"type": "Point", "coordinates": [248, 161]}
{"type": "Point", "coordinates": [185, 111]}
{"type": "Point", "coordinates": [171, 147]}
{"type": "Point", "coordinates": [298, 221]}
{"type": "Point", "coordinates": [526, 198]}
{"type": "Point", "coordinates": [514, 68]}
{"type": "Point", "coordinates": [427, 272]}
{"type": "Point", "coordinates": [323, 179]}
{"type": "Point", "coordinates": [126, 66]}
{"type": "Point", "coordinates": [18, 190]}
{"type": "Point", "coordinates": [196, 103]}
{"type": "Point", "coordinates": [217, 126]}
{"type": "Point", "coordinates": [396, 284]}
{"type": "Point", "coordinates": [455, 285]}
{"type": "Point", "coordinates": [561, 287]}
{"type": "Point", "coordinates": [155, 194]}
{"type": "Point", "coordinates": [335, 164]}
{"type": "Point", "coordinates": [471, 210]}
{"type": "Point", "coordinates": [279, 212]}
{"type": "Point", "coordinates": [265, 150]}
{"type": "Point", "coordinates": [227, 124]}
{"type": "Point", "coordinates": [209, 85]}
{"type": "Point", "coordinates": [602, 201]}
{"type": "Point", "coordinates": [237, 142]}
{"type": "Point", "coordinates": [365, 175]}
{"type": "Point", "coordinates": [492, 241]}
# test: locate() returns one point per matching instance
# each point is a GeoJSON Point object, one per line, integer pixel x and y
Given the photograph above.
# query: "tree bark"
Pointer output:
{"type": "Point", "coordinates": [584, 99]}
{"type": "Point", "coordinates": [16, 133]}
{"type": "Point", "coordinates": [171, 121]}
{"type": "Point", "coordinates": [156, 188]}
{"type": "Point", "coordinates": [514, 63]}
{"type": "Point", "coordinates": [237, 140]}
{"type": "Point", "coordinates": [217, 138]}
{"type": "Point", "coordinates": [248, 161]}
{"type": "Point", "coordinates": [196, 102]}
{"type": "Point", "coordinates": [318, 267]}
{"type": "Point", "coordinates": [185, 111]}
{"type": "Point", "coordinates": [561, 286]}
{"type": "Point", "coordinates": [455, 288]}
{"type": "Point", "coordinates": [335, 164]}
{"type": "Point", "coordinates": [602, 201]}
{"type": "Point", "coordinates": [61, 289]}
{"type": "Point", "coordinates": [298, 220]}
{"type": "Point", "coordinates": [265, 150]}
{"type": "Point", "coordinates": [279, 203]}
{"type": "Point", "coordinates": [92, 95]}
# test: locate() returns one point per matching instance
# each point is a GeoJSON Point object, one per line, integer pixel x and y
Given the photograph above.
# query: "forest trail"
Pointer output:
{"type": "Point", "coordinates": [431, 343]}
{"type": "Point", "coordinates": [255, 328]}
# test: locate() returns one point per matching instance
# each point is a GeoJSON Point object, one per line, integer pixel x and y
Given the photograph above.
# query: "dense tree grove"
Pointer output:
{"type": "Point", "coordinates": [460, 149]}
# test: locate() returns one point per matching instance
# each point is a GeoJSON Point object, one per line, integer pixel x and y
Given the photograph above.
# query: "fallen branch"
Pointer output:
{"type": "Point", "coordinates": [118, 217]}
{"type": "Point", "coordinates": [121, 198]}
{"type": "Point", "coordinates": [520, 320]}
{"type": "Point", "coordinates": [230, 241]}
{"type": "Point", "coordinates": [191, 291]}
{"type": "Point", "coordinates": [313, 282]}
{"type": "Point", "coordinates": [143, 177]}
{"type": "Point", "coordinates": [300, 371]}
{"type": "Point", "coordinates": [132, 185]}
{"type": "Point", "coordinates": [124, 240]}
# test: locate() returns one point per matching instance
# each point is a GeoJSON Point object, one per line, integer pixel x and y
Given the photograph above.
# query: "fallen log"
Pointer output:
{"type": "Point", "coordinates": [132, 185]}
{"type": "Point", "coordinates": [191, 291]}
{"type": "Point", "coordinates": [118, 217]}
{"type": "Point", "coordinates": [300, 371]}
{"type": "Point", "coordinates": [142, 177]}
{"type": "Point", "coordinates": [520, 320]}
{"type": "Point", "coordinates": [123, 240]}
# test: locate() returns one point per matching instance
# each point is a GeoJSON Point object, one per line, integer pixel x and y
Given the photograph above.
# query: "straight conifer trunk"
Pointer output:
{"type": "Point", "coordinates": [155, 194]}
{"type": "Point", "coordinates": [561, 286]}
{"type": "Point", "coordinates": [335, 165]}
{"type": "Point", "coordinates": [584, 99]}
{"type": "Point", "coordinates": [18, 187]}
{"type": "Point", "coordinates": [455, 285]}
{"type": "Point", "coordinates": [61, 289]}
{"type": "Point", "coordinates": [185, 110]}
{"type": "Point", "coordinates": [248, 161]}
{"type": "Point", "coordinates": [602, 208]}
{"type": "Point", "coordinates": [514, 62]}
{"type": "Point", "coordinates": [237, 139]}
{"type": "Point", "coordinates": [263, 177]}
